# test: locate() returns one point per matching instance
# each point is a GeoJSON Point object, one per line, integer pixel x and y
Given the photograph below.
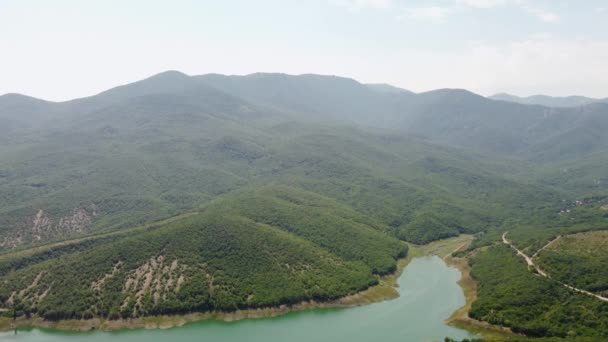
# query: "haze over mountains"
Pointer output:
{"type": "Point", "coordinates": [548, 101]}
{"type": "Point", "coordinates": [222, 121]}
{"type": "Point", "coordinates": [312, 182]}
{"type": "Point", "coordinates": [451, 115]}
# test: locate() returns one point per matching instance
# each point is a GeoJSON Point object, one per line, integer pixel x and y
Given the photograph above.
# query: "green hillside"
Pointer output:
{"type": "Point", "coordinates": [512, 296]}
{"type": "Point", "coordinates": [222, 259]}
{"type": "Point", "coordinates": [580, 260]}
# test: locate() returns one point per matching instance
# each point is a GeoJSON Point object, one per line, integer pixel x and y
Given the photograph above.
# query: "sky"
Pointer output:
{"type": "Point", "coordinates": [64, 49]}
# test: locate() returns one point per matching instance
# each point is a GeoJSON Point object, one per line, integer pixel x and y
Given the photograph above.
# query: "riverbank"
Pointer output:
{"type": "Point", "coordinates": [460, 318]}
{"type": "Point", "coordinates": [384, 290]}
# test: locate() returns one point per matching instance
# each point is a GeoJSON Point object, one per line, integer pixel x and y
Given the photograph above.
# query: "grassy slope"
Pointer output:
{"type": "Point", "coordinates": [579, 260]}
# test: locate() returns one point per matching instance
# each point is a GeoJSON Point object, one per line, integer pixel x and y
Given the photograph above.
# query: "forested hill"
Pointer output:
{"type": "Point", "coordinates": [186, 193]}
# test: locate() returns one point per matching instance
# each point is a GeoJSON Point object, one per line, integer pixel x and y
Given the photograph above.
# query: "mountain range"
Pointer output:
{"type": "Point", "coordinates": [548, 101]}
{"type": "Point", "coordinates": [179, 193]}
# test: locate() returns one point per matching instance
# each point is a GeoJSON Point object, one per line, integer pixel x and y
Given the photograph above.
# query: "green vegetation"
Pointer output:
{"type": "Point", "coordinates": [579, 260]}
{"type": "Point", "coordinates": [217, 260]}
{"type": "Point", "coordinates": [531, 231]}
{"type": "Point", "coordinates": [510, 295]}
{"type": "Point", "coordinates": [182, 194]}
{"type": "Point", "coordinates": [323, 222]}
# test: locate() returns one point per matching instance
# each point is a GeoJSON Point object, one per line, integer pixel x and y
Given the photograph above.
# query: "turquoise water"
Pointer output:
{"type": "Point", "coordinates": [429, 294]}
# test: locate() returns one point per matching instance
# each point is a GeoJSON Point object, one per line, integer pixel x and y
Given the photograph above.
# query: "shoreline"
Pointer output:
{"type": "Point", "coordinates": [460, 318]}
{"type": "Point", "coordinates": [384, 290]}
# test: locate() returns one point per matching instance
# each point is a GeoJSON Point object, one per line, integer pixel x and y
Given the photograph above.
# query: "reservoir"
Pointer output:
{"type": "Point", "coordinates": [429, 294]}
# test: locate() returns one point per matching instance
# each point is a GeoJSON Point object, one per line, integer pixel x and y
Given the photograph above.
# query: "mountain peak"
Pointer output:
{"type": "Point", "coordinates": [503, 97]}
{"type": "Point", "coordinates": [170, 74]}
{"type": "Point", "coordinates": [387, 88]}
{"type": "Point", "coordinates": [168, 81]}
{"type": "Point", "coordinates": [451, 93]}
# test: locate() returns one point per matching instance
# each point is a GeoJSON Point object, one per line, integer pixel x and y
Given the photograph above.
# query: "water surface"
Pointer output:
{"type": "Point", "coordinates": [429, 294]}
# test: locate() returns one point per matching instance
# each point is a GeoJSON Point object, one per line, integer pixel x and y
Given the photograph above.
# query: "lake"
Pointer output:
{"type": "Point", "coordinates": [429, 294]}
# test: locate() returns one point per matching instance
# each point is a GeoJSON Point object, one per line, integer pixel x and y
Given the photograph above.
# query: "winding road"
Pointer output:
{"type": "Point", "coordinates": [546, 246]}
{"type": "Point", "coordinates": [531, 263]}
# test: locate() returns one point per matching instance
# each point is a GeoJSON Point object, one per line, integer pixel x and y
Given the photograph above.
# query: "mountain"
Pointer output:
{"type": "Point", "coordinates": [179, 194]}
{"type": "Point", "coordinates": [19, 112]}
{"type": "Point", "coordinates": [116, 166]}
{"type": "Point", "coordinates": [448, 116]}
{"type": "Point", "coordinates": [327, 97]}
{"type": "Point", "coordinates": [275, 208]}
{"type": "Point", "coordinates": [548, 101]}
{"type": "Point", "coordinates": [533, 132]}
{"type": "Point", "coordinates": [109, 161]}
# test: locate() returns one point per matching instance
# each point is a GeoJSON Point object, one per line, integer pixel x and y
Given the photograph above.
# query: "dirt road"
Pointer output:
{"type": "Point", "coordinates": [531, 263]}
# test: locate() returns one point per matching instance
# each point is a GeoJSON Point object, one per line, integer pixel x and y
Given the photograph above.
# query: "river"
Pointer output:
{"type": "Point", "coordinates": [429, 294]}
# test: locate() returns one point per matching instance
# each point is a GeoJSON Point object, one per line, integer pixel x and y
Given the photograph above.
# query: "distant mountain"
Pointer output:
{"type": "Point", "coordinates": [328, 97]}
{"type": "Point", "coordinates": [448, 116]}
{"type": "Point", "coordinates": [548, 101]}
{"type": "Point", "coordinates": [530, 131]}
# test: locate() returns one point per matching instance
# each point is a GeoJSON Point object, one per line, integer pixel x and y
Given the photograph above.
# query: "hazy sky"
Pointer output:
{"type": "Point", "coordinates": [64, 49]}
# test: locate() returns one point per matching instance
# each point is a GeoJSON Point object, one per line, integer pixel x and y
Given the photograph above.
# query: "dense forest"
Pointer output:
{"type": "Point", "coordinates": [510, 295]}
{"type": "Point", "coordinates": [217, 260]}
